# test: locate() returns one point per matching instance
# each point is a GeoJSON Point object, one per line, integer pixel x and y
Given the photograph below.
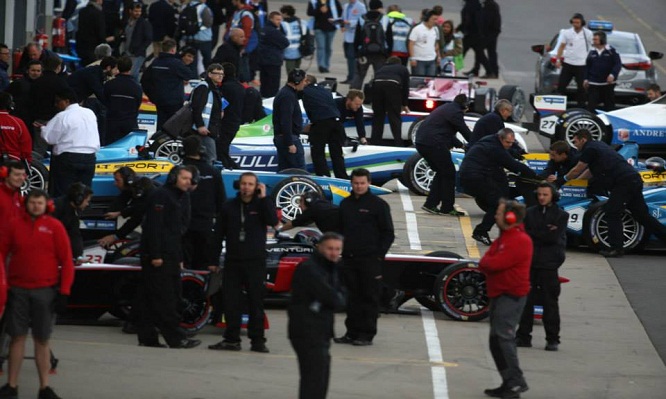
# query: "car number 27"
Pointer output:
{"type": "Point", "coordinates": [548, 124]}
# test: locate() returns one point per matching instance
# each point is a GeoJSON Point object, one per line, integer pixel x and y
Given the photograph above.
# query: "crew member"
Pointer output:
{"type": "Point", "coordinates": [482, 176]}
{"type": "Point", "coordinates": [15, 140]}
{"type": "Point", "coordinates": [602, 68]}
{"type": "Point", "coordinates": [546, 224]}
{"type": "Point", "coordinates": [436, 137]}
{"type": "Point", "coordinates": [367, 225]}
{"type": "Point", "coordinates": [390, 90]}
{"type": "Point", "coordinates": [624, 185]}
{"type": "Point", "coordinates": [315, 296]}
{"type": "Point", "coordinates": [506, 265]}
{"type": "Point", "coordinates": [67, 210]}
{"type": "Point", "coordinates": [492, 122]}
{"type": "Point", "coordinates": [40, 275]}
{"type": "Point", "coordinates": [243, 222]}
{"type": "Point", "coordinates": [11, 202]}
{"type": "Point", "coordinates": [326, 129]}
{"type": "Point", "coordinates": [351, 107]}
{"type": "Point", "coordinates": [288, 122]}
{"type": "Point", "coordinates": [317, 210]}
{"type": "Point", "coordinates": [166, 220]}
{"type": "Point", "coordinates": [207, 200]}
{"type": "Point", "coordinates": [575, 43]}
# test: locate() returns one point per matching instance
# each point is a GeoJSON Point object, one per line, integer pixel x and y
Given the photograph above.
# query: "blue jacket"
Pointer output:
{"type": "Point", "coordinates": [440, 127]}
{"type": "Point", "coordinates": [4, 77]}
{"type": "Point", "coordinates": [287, 117]}
{"type": "Point", "coordinates": [487, 125]}
{"type": "Point", "coordinates": [599, 66]}
{"type": "Point", "coordinates": [319, 104]}
{"type": "Point", "coordinates": [163, 81]}
{"type": "Point", "coordinates": [272, 43]}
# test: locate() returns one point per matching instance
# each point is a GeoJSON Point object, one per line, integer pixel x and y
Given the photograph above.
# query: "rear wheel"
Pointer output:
{"type": "Point", "coordinates": [169, 148]}
{"type": "Point", "coordinates": [413, 128]}
{"type": "Point", "coordinates": [595, 228]}
{"type": "Point", "coordinates": [429, 301]}
{"type": "Point", "coordinates": [38, 177]}
{"type": "Point", "coordinates": [196, 308]}
{"type": "Point", "coordinates": [287, 194]}
{"type": "Point", "coordinates": [572, 123]}
{"type": "Point", "coordinates": [417, 175]}
{"type": "Point", "coordinates": [516, 96]}
{"type": "Point", "coordinates": [484, 100]}
{"type": "Point", "coordinates": [460, 291]}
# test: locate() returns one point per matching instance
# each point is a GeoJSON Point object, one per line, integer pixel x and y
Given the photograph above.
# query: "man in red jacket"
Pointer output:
{"type": "Point", "coordinates": [15, 139]}
{"type": "Point", "coordinates": [40, 276]}
{"type": "Point", "coordinates": [507, 269]}
{"type": "Point", "coordinates": [11, 202]}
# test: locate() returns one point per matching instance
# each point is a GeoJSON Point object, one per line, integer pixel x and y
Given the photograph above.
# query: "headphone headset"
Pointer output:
{"type": "Point", "coordinates": [172, 177]}
{"type": "Point", "coordinates": [553, 190]}
{"type": "Point", "coordinates": [77, 193]}
{"type": "Point", "coordinates": [50, 204]}
{"type": "Point", "coordinates": [510, 217]}
{"type": "Point", "coordinates": [296, 76]}
{"type": "Point", "coordinates": [4, 172]}
{"type": "Point", "coordinates": [578, 16]}
{"type": "Point", "coordinates": [603, 39]}
{"type": "Point", "coordinates": [127, 174]}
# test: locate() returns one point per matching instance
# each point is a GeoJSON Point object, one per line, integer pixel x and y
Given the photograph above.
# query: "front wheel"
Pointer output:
{"type": "Point", "coordinates": [196, 307]}
{"type": "Point", "coordinates": [38, 177]}
{"type": "Point", "coordinates": [169, 148]}
{"type": "Point", "coordinates": [288, 192]}
{"type": "Point", "coordinates": [595, 228]}
{"type": "Point", "coordinates": [417, 175]}
{"type": "Point", "coordinates": [460, 291]}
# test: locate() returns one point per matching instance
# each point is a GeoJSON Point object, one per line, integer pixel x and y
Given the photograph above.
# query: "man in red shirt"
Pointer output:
{"type": "Point", "coordinates": [15, 140]}
{"type": "Point", "coordinates": [507, 269]}
{"type": "Point", "coordinates": [40, 277]}
{"type": "Point", "coordinates": [11, 202]}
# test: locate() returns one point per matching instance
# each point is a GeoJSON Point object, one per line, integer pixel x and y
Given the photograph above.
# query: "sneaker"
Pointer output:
{"type": "Point", "coordinates": [552, 347]}
{"type": "Point", "coordinates": [433, 211]}
{"type": "Point", "coordinates": [47, 393]}
{"type": "Point", "coordinates": [259, 347]}
{"type": "Point", "coordinates": [225, 346]}
{"type": "Point", "coordinates": [187, 344]}
{"type": "Point", "coordinates": [482, 238]}
{"type": "Point", "coordinates": [612, 253]}
{"type": "Point", "coordinates": [345, 339]}
{"type": "Point", "coordinates": [361, 342]}
{"type": "Point", "coordinates": [523, 343]}
{"type": "Point", "coordinates": [7, 392]}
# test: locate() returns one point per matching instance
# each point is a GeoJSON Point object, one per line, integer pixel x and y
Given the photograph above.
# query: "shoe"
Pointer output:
{"type": "Point", "coordinates": [187, 344]}
{"type": "Point", "coordinates": [346, 82]}
{"type": "Point", "coordinates": [152, 345]}
{"type": "Point", "coordinates": [225, 346]}
{"type": "Point", "coordinates": [325, 70]}
{"type": "Point", "coordinates": [496, 392]}
{"type": "Point", "coordinates": [505, 392]}
{"type": "Point", "coordinates": [452, 212]}
{"type": "Point", "coordinates": [47, 393]}
{"type": "Point", "coordinates": [7, 392]}
{"type": "Point", "coordinates": [552, 347]}
{"type": "Point", "coordinates": [361, 342]}
{"type": "Point", "coordinates": [259, 347]}
{"type": "Point", "coordinates": [523, 343]}
{"type": "Point", "coordinates": [433, 211]}
{"type": "Point", "coordinates": [482, 238]}
{"type": "Point", "coordinates": [345, 339]}
{"type": "Point", "coordinates": [612, 253]}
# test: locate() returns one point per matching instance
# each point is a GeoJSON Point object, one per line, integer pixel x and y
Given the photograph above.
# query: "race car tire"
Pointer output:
{"type": "Point", "coordinates": [195, 305]}
{"type": "Point", "coordinates": [417, 175]}
{"type": "Point", "coordinates": [287, 194]}
{"type": "Point", "coordinates": [413, 129]}
{"type": "Point", "coordinates": [127, 252]}
{"type": "Point", "coordinates": [484, 100]}
{"type": "Point", "coordinates": [570, 123]}
{"type": "Point", "coordinates": [595, 228]}
{"type": "Point", "coordinates": [428, 301]}
{"type": "Point", "coordinates": [169, 148]}
{"type": "Point", "coordinates": [460, 291]}
{"type": "Point", "coordinates": [517, 97]}
{"type": "Point", "coordinates": [38, 177]}
{"type": "Point", "coordinates": [295, 171]}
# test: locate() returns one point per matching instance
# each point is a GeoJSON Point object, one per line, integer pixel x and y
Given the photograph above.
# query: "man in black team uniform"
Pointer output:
{"type": "Point", "coordinates": [317, 210]}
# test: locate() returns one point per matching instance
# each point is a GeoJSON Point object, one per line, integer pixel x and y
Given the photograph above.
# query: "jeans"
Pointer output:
{"type": "Point", "coordinates": [136, 66]}
{"type": "Point", "coordinates": [425, 68]}
{"type": "Point", "coordinates": [324, 43]}
{"type": "Point", "coordinates": [505, 312]}
{"type": "Point", "coordinates": [350, 55]}
{"type": "Point", "coordinates": [287, 160]}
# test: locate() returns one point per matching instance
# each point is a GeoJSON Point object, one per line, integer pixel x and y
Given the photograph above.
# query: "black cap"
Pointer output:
{"type": "Point", "coordinates": [296, 76]}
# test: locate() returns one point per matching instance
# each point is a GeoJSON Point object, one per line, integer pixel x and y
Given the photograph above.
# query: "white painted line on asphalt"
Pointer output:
{"type": "Point", "coordinates": [440, 387]}
{"type": "Point", "coordinates": [410, 218]}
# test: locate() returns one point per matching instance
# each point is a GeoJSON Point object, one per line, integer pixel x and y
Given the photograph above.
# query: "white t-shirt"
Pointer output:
{"type": "Point", "coordinates": [424, 42]}
{"type": "Point", "coordinates": [577, 45]}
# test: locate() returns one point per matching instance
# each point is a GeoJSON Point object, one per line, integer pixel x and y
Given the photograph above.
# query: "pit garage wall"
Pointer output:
{"type": "Point", "coordinates": [21, 18]}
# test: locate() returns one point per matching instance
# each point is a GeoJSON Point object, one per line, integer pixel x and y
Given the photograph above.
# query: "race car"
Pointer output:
{"type": "Point", "coordinates": [637, 73]}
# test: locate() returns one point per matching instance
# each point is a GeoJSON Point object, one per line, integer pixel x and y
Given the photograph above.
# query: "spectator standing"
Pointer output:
{"type": "Point", "coordinates": [242, 226]}
{"type": "Point", "coordinates": [624, 185]}
{"type": "Point", "coordinates": [602, 68]}
{"type": "Point", "coordinates": [42, 99]}
{"type": "Point", "coordinates": [492, 122]}
{"type": "Point", "coordinates": [206, 199]}
{"type": "Point", "coordinates": [506, 265]}
{"type": "Point", "coordinates": [32, 52]}
{"type": "Point", "coordinates": [67, 211]}
{"type": "Point", "coordinates": [575, 44]}
{"type": "Point", "coordinates": [203, 39]}
{"type": "Point", "coordinates": [401, 25]}
{"type": "Point", "coordinates": [163, 82]}
{"type": "Point", "coordinates": [653, 92]}
{"type": "Point", "coordinates": [15, 140]}
{"type": "Point", "coordinates": [317, 210]}
{"type": "Point", "coordinates": [11, 200]}
{"type": "Point", "coordinates": [40, 275]}
{"type": "Point", "coordinates": [122, 98]}
{"type": "Point", "coordinates": [188, 55]}
{"type": "Point", "coordinates": [437, 135]}
{"type": "Point", "coordinates": [351, 107]}
{"type": "Point", "coordinates": [243, 18]}
{"type": "Point", "coordinates": [5, 57]}
{"type": "Point", "coordinates": [138, 35]}
{"type": "Point", "coordinates": [91, 31]}
{"type": "Point", "coordinates": [470, 26]}
{"type": "Point", "coordinates": [20, 91]}
{"type": "Point", "coordinates": [293, 28]}
{"type": "Point", "coordinates": [373, 40]}
{"type": "Point", "coordinates": [367, 226]}
{"type": "Point", "coordinates": [424, 46]}
{"type": "Point", "coordinates": [450, 47]}
{"type": "Point", "coordinates": [162, 18]}
{"type": "Point", "coordinates": [491, 27]}
{"type": "Point", "coordinates": [166, 220]}
{"type": "Point", "coordinates": [230, 51]}
{"type": "Point", "coordinates": [326, 15]}
{"type": "Point", "coordinates": [208, 109]}
{"type": "Point", "coordinates": [352, 13]}
{"type": "Point", "coordinates": [316, 296]}
{"type": "Point", "coordinates": [326, 129]}
{"type": "Point", "coordinates": [390, 92]}
{"type": "Point", "coordinates": [272, 43]}
{"type": "Point", "coordinates": [546, 224]}
{"type": "Point", "coordinates": [234, 92]}
{"type": "Point", "coordinates": [74, 145]}
{"type": "Point", "coordinates": [482, 175]}
{"type": "Point", "coordinates": [288, 122]}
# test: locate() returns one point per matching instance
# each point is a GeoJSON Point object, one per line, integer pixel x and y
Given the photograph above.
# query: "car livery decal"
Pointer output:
{"type": "Point", "coordinates": [624, 130]}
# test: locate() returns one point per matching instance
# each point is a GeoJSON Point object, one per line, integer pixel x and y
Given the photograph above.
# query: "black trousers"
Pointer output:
{"type": "Point", "coordinates": [164, 112]}
{"type": "Point", "coordinates": [386, 101]}
{"type": "Point", "coordinates": [360, 275]}
{"type": "Point", "coordinates": [68, 168]}
{"type": "Point", "coordinates": [600, 94]}
{"type": "Point", "coordinates": [486, 191]}
{"type": "Point", "coordinates": [314, 364]}
{"type": "Point", "coordinates": [376, 60]}
{"type": "Point", "coordinates": [545, 292]}
{"type": "Point", "coordinates": [158, 304]}
{"type": "Point", "coordinates": [222, 144]}
{"type": "Point", "coordinates": [443, 187]}
{"type": "Point", "coordinates": [628, 193]}
{"type": "Point", "coordinates": [269, 75]}
{"type": "Point", "coordinates": [198, 249]}
{"type": "Point", "coordinates": [331, 132]}
{"type": "Point", "coordinates": [573, 71]}
{"type": "Point", "coordinates": [491, 49]}
{"type": "Point", "coordinates": [117, 129]}
{"type": "Point", "coordinates": [250, 275]}
{"type": "Point", "coordinates": [476, 44]}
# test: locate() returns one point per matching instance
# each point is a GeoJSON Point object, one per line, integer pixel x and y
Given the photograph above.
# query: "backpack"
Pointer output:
{"type": "Point", "coordinates": [188, 21]}
{"type": "Point", "coordinates": [307, 47]}
{"type": "Point", "coordinates": [374, 40]}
